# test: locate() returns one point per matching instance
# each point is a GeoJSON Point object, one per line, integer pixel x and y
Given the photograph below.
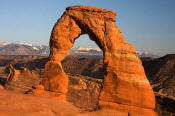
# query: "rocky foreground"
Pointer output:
{"type": "Point", "coordinates": [83, 90]}
{"type": "Point", "coordinates": [82, 98]}
{"type": "Point", "coordinates": [18, 104]}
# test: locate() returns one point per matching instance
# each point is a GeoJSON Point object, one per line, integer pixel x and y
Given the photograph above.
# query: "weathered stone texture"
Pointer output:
{"type": "Point", "coordinates": [13, 74]}
{"type": "Point", "coordinates": [124, 83]}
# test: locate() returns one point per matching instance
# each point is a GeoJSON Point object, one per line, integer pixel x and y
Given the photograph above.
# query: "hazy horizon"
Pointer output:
{"type": "Point", "coordinates": [148, 25]}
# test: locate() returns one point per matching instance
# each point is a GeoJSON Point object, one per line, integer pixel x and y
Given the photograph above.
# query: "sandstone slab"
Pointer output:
{"type": "Point", "coordinates": [17, 104]}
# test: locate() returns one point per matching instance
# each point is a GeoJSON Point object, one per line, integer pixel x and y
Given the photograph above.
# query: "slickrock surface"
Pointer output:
{"type": "Point", "coordinates": [17, 104]}
{"type": "Point", "coordinates": [125, 82]}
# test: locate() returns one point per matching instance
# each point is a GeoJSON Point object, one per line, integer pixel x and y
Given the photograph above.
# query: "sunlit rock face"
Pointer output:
{"type": "Point", "coordinates": [13, 74]}
{"type": "Point", "coordinates": [125, 85]}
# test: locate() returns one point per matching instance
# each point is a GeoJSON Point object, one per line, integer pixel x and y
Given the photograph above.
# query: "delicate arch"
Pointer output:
{"type": "Point", "coordinates": [124, 83]}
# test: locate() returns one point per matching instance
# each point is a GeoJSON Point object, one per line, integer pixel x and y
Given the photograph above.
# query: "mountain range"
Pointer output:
{"type": "Point", "coordinates": [24, 48]}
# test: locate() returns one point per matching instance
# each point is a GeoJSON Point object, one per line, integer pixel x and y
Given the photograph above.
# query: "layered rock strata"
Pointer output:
{"type": "Point", "coordinates": [125, 85]}
{"type": "Point", "coordinates": [13, 74]}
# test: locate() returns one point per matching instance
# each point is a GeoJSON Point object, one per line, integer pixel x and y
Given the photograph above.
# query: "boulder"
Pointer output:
{"type": "Point", "coordinates": [125, 85]}
{"type": "Point", "coordinates": [1, 87]}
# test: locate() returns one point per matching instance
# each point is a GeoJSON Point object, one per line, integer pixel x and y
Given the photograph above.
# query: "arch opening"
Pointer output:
{"type": "Point", "coordinates": [85, 58]}
{"type": "Point", "coordinates": [84, 68]}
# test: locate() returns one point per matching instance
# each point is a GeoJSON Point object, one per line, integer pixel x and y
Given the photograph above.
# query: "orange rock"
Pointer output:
{"type": "Point", "coordinates": [54, 78]}
{"type": "Point", "coordinates": [39, 87]}
{"type": "Point", "coordinates": [1, 87]}
{"type": "Point", "coordinates": [124, 81]}
{"type": "Point", "coordinates": [13, 74]}
{"type": "Point", "coordinates": [39, 91]}
{"type": "Point", "coordinates": [129, 109]}
{"type": "Point", "coordinates": [24, 72]}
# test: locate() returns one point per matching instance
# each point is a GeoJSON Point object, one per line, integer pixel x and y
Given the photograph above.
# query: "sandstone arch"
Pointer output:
{"type": "Point", "coordinates": [125, 85]}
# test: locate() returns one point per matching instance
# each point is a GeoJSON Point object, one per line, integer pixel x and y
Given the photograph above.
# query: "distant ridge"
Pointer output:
{"type": "Point", "coordinates": [161, 73]}
{"type": "Point", "coordinates": [24, 48]}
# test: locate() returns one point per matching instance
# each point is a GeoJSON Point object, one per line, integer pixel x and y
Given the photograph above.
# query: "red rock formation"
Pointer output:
{"type": "Point", "coordinates": [38, 90]}
{"type": "Point", "coordinates": [1, 87]}
{"type": "Point", "coordinates": [13, 74]}
{"type": "Point", "coordinates": [125, 86]}
{"type": "Point", "coordinates": [24, 72]}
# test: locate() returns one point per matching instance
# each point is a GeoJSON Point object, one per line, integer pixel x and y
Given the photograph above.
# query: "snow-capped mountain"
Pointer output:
{"type": "Point", "coordinates": [146, 55]}
{"type": "Point", "coordinates": [4, 43]}
{"type": "Point", "coordinates": [80, 48]}
{"type": "Point", "coordinates": [24, 48]}
{"type": "Point", "coordinates": [86, 52]}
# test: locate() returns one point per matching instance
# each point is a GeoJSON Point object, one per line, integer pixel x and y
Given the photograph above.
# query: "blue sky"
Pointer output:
{"type": "Point", "coordinates": [149, 25]}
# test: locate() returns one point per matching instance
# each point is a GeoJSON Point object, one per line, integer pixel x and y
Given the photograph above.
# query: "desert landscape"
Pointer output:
{"type": "Point", "coordinates": [84, 85]}
{"type": "Point", "coordinates": [63, 80]}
